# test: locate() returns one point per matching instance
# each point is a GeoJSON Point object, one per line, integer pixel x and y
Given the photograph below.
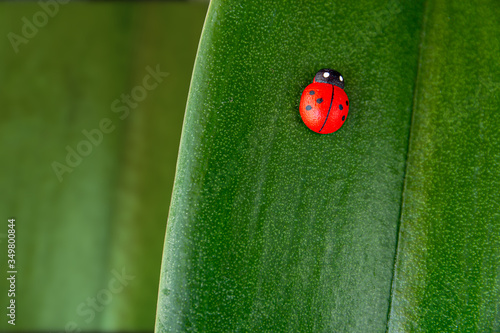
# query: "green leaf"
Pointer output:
{"type": "Point", "coordinates": [273, 227]}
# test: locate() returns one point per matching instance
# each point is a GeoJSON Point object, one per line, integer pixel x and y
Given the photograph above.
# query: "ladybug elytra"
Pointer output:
{"type": "Point", "coordinates": [324, 104]}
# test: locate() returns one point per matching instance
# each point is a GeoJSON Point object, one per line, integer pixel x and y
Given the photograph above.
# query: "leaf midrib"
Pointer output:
{"type": "Point", "coordinates": [423, 28]}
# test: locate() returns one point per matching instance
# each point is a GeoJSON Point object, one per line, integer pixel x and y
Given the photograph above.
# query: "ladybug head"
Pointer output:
{"type": "Point", "coordinates": [329, 76]}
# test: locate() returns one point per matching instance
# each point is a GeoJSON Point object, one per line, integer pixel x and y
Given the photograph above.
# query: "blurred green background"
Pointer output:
{"type": "Point", "coordinates": [90, 228]}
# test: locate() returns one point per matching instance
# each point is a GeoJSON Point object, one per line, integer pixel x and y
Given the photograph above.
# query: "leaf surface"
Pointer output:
{"type": "Point", "coordinates": [447, 273]}
{"type": "Point", "coordinates": [273, 227]}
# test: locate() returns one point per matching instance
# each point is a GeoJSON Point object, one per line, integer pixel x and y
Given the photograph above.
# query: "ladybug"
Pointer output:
{"type": "Point", "coordinates": [324, 104]}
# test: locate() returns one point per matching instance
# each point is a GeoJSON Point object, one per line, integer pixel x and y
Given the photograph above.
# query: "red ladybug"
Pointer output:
{"type": "Point", "coordinates": [324, 104]}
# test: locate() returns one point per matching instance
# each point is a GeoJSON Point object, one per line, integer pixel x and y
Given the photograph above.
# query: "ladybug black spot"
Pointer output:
{"type": "Point", "coordinates": [311, 92]}
{"type": "Point", "coordinates": [347, 103]}
{"type": "Point", "coordinates": [308, 107]}
{"type": "Point", "coordinates": [343, 118]}
{"type": "Point", "coordinates": [319, 100]}
{"type": "Point", "coordinates": [341, 107]}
